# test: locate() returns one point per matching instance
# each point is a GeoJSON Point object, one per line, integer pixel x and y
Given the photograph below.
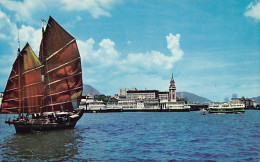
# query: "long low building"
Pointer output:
{"type": "Point", "coordinates": [142, 94]}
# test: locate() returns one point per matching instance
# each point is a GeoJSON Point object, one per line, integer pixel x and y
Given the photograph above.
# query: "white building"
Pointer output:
{"type": "Point", "coordinates": [142, 94]}
{"type": "Point", "coordinates": [93, 104]}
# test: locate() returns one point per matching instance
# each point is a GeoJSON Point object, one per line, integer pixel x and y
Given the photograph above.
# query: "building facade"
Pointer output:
{"type": "Point", "coordinates": [164, 95]}
{"type": "Point", "coordinates": [142, 94]}
{"type": "Point", "coordinates": [123, 91]}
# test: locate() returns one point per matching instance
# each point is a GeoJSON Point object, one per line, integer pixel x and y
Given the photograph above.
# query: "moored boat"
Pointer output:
{"type": "Point", "coordinates": [226, 108]}
{"type": "Point", "coordinates": [177, 107]}
{"type": "Point", "coordinates": [45, 91]}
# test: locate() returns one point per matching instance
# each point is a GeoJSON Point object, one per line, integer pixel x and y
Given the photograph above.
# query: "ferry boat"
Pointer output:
{"type": "Point", "coordinates": [177, 107]}
{"type": "Point", "coordinates": [226, 108]}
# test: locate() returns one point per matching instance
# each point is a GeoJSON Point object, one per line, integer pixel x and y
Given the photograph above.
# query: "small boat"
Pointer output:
{"type": "Point", "coordinates": [45, 91]}
{"type": "Point", "coordinates": [203, 111]}
{"type": "Point", "coordinates": [227, 108]}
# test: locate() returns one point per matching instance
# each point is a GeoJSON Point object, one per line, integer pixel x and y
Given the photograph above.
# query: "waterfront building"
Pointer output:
{"type": "Point", "coordinates": [249, 103]}
{"type": "Point", "coordinates": [163, 95]}
{"type": "Point", "coordinates": [93, 104]}
{"type": "Point", "coordinates": [138, 100]}
{"type": "Point", "coordinates": [142, 94]}
{"type": "Point", "coordinates": [83, 101]}
{"type": "Point", "coordinates": [123, 91]}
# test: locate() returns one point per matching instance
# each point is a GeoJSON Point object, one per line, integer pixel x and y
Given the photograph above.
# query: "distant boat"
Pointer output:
{"type": "Point", "coordinates": [45, 91]}
{"type": "Point", "coordinates": [227, 108]}
{"type": "Point", "coordinates": [203, 111]}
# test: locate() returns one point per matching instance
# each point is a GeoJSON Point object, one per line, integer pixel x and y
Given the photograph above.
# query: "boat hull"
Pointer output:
{"type": "Point", "coordinates": [43, 125]}
{"type": "Point", "coordinates": [32, 128]}
{"type": "Point", "coordinates": [232, 111]}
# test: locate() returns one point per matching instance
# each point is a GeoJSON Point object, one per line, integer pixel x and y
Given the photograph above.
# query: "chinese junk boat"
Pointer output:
{"type": "Point", "coordinates": [47, 89]}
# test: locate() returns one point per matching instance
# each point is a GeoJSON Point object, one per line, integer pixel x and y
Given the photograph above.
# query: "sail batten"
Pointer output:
{"type": "Point", "coordinates": [60, 49]}
{"type": "Point", "coordinates": [76, 59]}
{"type": "Point", "coordinates": [33, 69]}
{"type": "Point", "coordinates": [32, 96]}
{"type": "Point", "coordinates": [77, 88]}
{"type": "Point", "coordinates": [11, 89]}
{"type": "Point", "coordinates": [16, 76]}
{"type": "Point", "coordinates": [32, 84]}
{"type": "Point", "coordinates": [50, 83]}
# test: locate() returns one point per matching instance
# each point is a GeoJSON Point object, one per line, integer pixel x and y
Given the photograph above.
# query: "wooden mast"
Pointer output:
{"type": "Point", "coordinates": [19, 77]}
{"type": "Point", "coordinates": [19, 83]}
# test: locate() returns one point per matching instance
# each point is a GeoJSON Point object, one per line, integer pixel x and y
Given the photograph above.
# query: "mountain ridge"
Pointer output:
{"type": "Point", "coordinates": [192, 97]}
{"type": "Point", "coordinates": [257, 99]}
{"type": "Point", "coordinates": [89, 90]}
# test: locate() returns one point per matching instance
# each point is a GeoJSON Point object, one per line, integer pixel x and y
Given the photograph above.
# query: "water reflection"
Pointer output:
{"type": "Point", "coordinates": [55, 145]}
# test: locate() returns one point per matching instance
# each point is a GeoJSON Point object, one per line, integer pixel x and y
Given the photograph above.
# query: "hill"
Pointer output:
{"type": "Point", "coordinates": [192, 97]}
{"type": "Point", "coordinates": [89, 90]}
{"type": "Point", "coordinates": [257, 99]}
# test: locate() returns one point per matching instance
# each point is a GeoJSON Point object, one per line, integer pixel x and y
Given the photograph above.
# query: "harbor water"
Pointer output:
{"type": "Point", "coordinates": [141, 136]}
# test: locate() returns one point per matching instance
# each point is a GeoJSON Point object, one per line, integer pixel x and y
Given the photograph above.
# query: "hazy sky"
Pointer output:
{"type": "Point", "coordinates": [212, 47]}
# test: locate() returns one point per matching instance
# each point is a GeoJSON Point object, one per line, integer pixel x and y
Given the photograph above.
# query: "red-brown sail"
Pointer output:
{"type": "Point", "coordinates": [10, 103]}
{"type": "Point", "coordinates": [32, 81]}
{"type": "Point", "coordinates": [24, 89]}
{"type": "Point", "coordinates": [62, 69]}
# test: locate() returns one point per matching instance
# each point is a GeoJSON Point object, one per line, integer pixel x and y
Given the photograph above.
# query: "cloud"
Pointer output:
{"type": "Point", "coordinates": [96, 8]}
{"type": "Point", "coordinates": [253, 10]}
{"type": "Point", "coordinates": [32, 36]}
{"type": "Point", "coordinates": [26, 34]}
{"type": "Point", "coordinates": [107, 65]}
{"type": "Point", "coordinates": [105, 56]}
{"type": "Point", "coordinates": [23, 10]}
{"type": "Point", "coordinates": [6, 26]}
{"type": "Point", "coordinates": [149, 61]}
{"type": "Point", "coordinates": [155, 60]}
{"type": "Point", "coordinates": [174, 46]}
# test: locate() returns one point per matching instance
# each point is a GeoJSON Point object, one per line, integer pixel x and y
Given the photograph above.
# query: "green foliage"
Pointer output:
{"type": "Point", "coordinates": [105, 99]}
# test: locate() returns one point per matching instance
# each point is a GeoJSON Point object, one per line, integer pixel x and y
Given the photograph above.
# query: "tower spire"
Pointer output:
{"type": "Point", "coordinates": [172, 90]}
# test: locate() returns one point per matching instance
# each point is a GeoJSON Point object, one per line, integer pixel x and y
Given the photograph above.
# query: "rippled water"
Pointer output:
{"type": "Point", "coordinates": [147, 136]}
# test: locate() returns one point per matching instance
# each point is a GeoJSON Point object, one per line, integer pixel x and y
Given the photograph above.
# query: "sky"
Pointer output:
{"type": "Point", "coordinates": [212, 47]}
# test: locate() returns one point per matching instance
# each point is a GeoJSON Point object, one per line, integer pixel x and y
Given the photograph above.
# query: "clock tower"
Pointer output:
{"type": "Point", "coordinates": [172, 90]}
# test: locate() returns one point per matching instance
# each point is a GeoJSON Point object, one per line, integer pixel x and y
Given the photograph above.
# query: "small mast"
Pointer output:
{"type": "Point", "coordinates": [18, 51]}
{"type": "Point", "coordinates": [43, 27]}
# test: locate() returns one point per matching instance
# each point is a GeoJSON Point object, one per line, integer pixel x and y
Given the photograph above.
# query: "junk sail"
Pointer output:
{"type": "Point", "coordinates": [32, 91]}
{"type": "Point", "coordinates": [49, 87]}
{"type": "Point", "coordinates": [10, 103]}
{"type": "Point", "coordinates": [62, 69]}
{"type": "Point", "coordinates": [24, 86]}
